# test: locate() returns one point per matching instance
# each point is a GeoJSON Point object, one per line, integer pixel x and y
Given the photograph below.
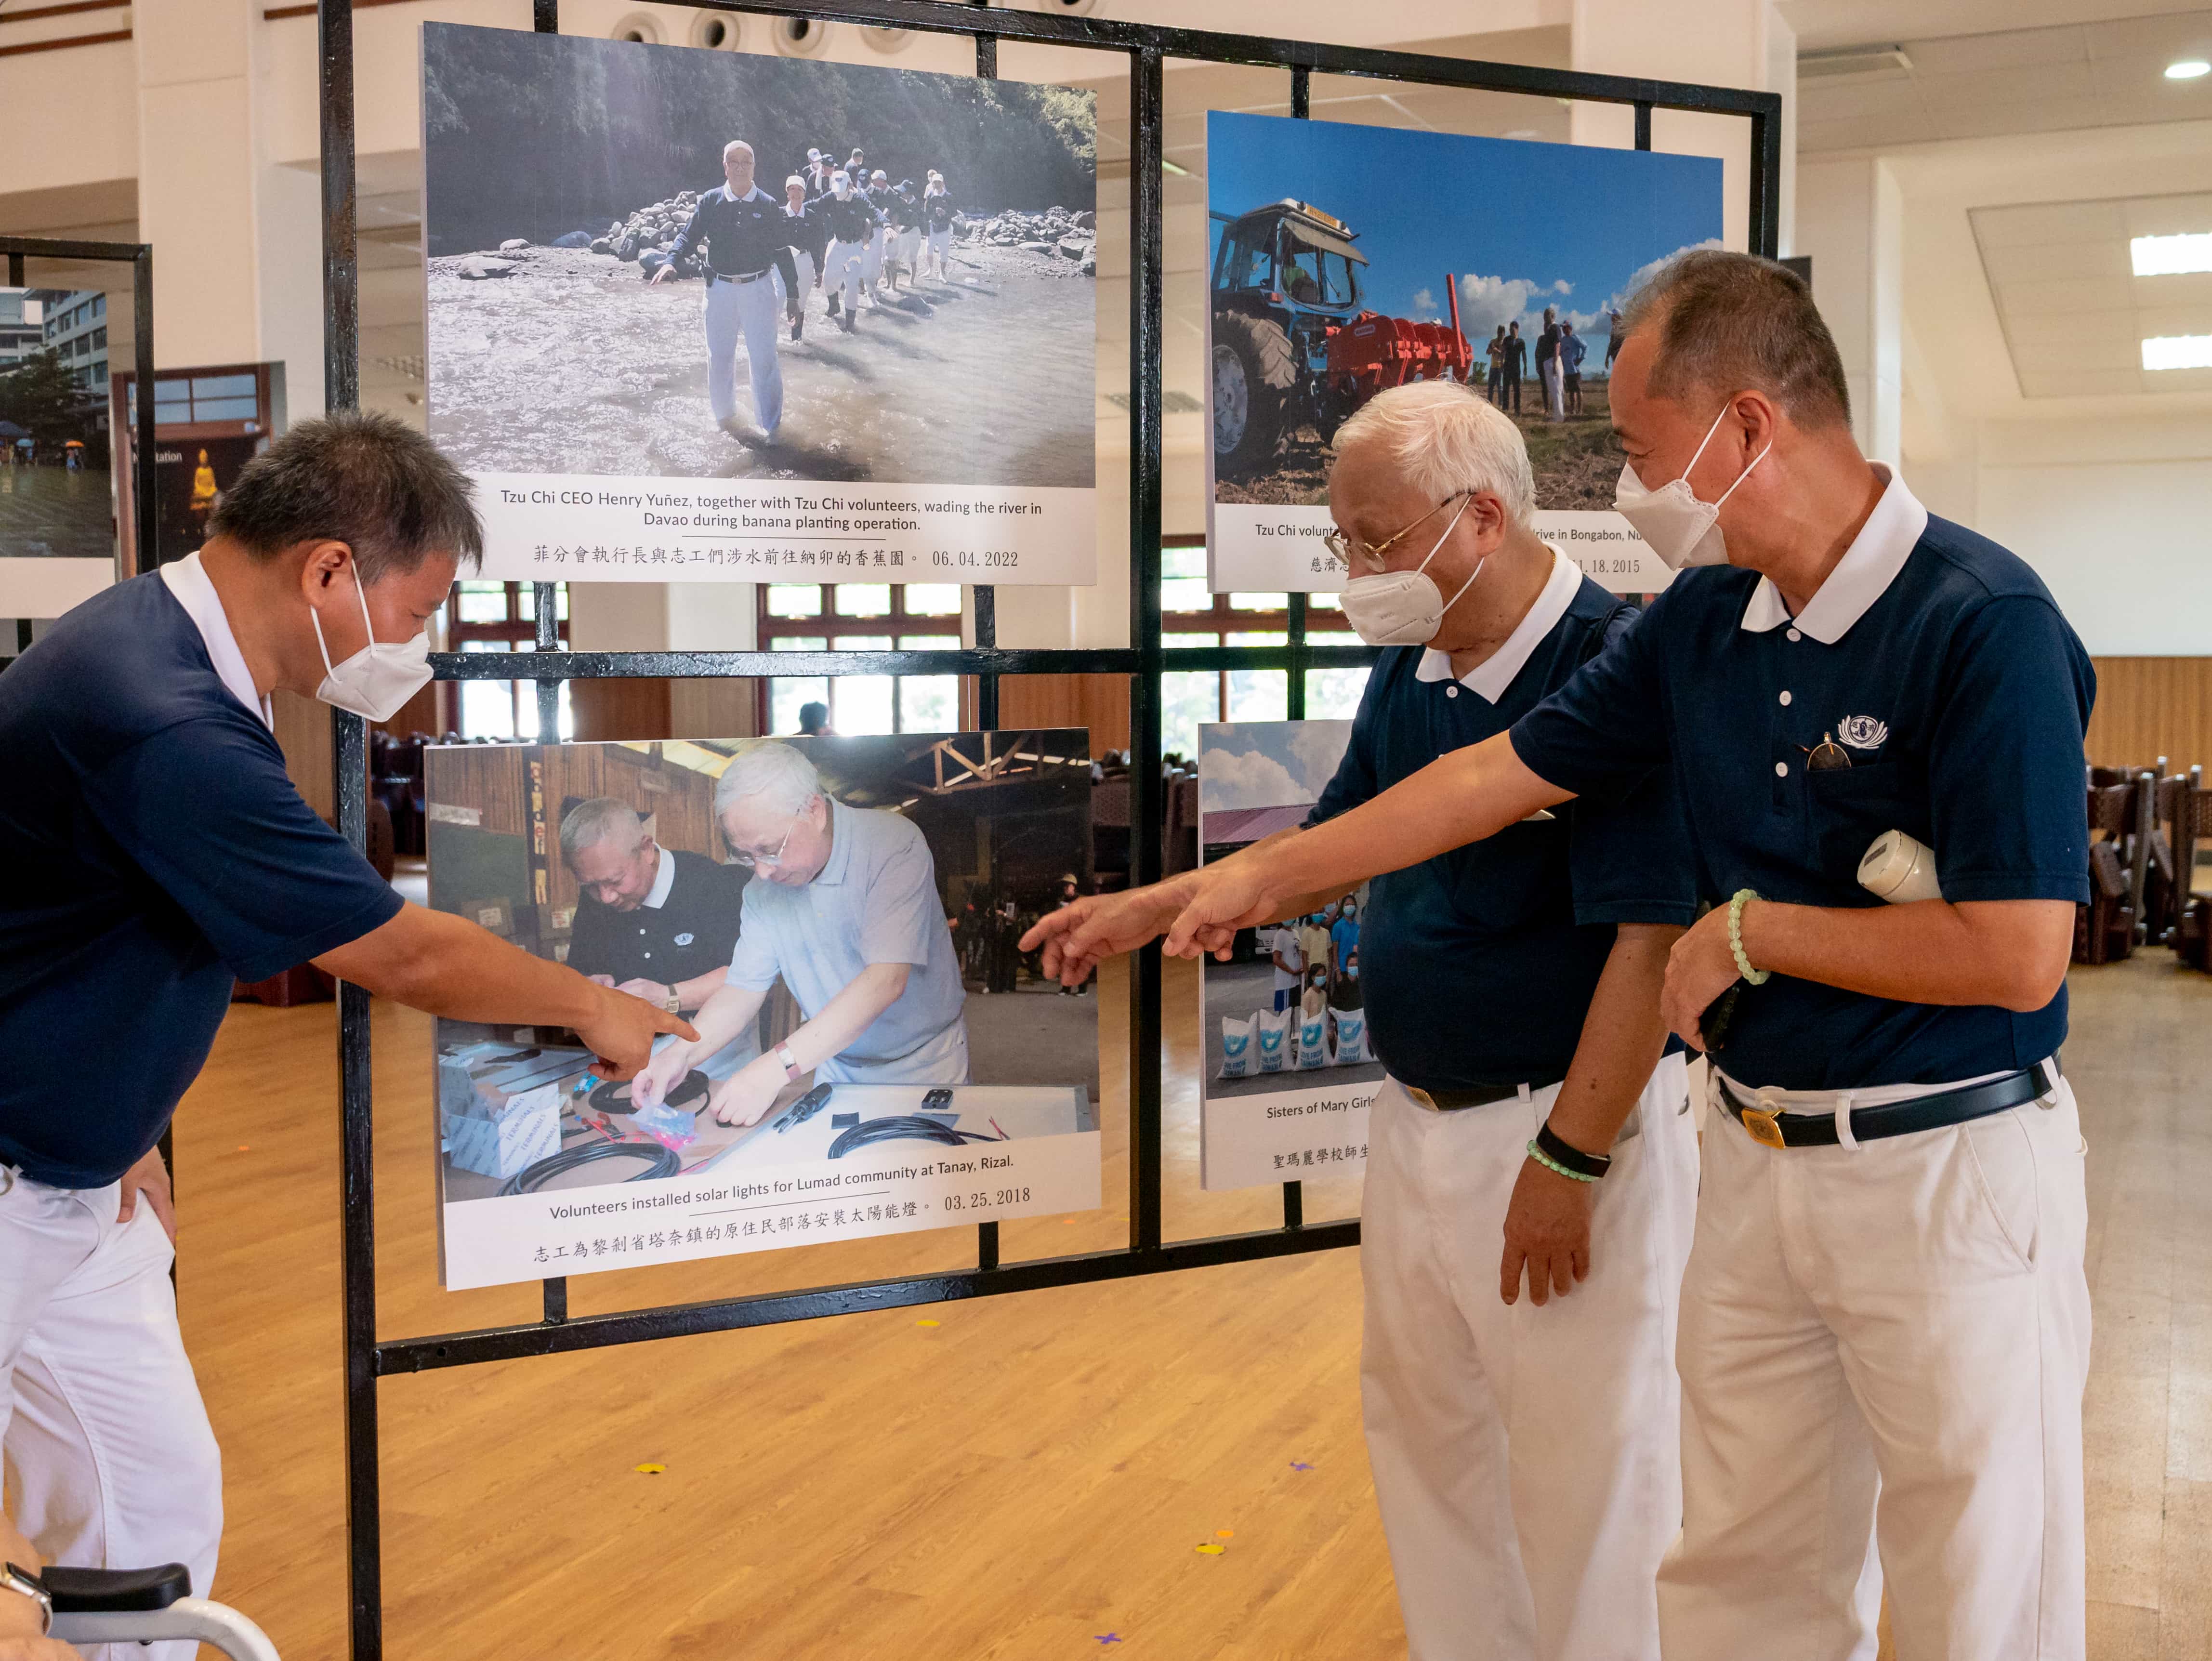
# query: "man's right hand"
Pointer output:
{"type": "Point", "coordinates": [653, 282]}
{"type": "Point", "coordinates": [1076, 938]}
{"type": "Point", "coordinates": [620, 1031]}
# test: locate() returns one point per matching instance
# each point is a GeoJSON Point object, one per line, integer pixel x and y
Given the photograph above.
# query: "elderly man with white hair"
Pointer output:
{"type": "Point", "coordinates": [844, 908]}
{"type": "Point", "coordinates": [656, 922]}
{"type": "Point", "coordinates": [1524, 1449]}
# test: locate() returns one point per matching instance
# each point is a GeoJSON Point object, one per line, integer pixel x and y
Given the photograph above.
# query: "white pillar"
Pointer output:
{"type": "Point", "coordinates": [197, 176]}
{"type": "Point", "coordinates": [1730, 43]}
{"type": "Point", "coordinates": [1850, 219]}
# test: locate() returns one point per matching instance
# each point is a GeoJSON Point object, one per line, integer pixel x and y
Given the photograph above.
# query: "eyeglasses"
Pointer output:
{"type": "Point", "coordinates": [754, 861]}
{"type": "Point", "coordinates": [1347, 550]}
{"type": "Point", "coordinates": [1826, 757]}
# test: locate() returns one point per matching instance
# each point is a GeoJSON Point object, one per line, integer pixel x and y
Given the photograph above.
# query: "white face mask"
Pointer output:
{"type": "Point", "coordinates": [1404, 608]}
{"type": "Point", "coordinates": [378, 679]}
{"type": "Point", "coordinates": [1680, 529]}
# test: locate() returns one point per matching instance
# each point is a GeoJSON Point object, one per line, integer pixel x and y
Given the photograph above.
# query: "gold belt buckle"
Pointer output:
{"type": "Point", "coordinates": [1760, 1122]}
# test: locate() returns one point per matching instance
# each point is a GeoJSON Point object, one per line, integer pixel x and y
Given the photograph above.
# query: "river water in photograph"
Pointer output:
{"type": "Point", "coordinates": [573, 364]}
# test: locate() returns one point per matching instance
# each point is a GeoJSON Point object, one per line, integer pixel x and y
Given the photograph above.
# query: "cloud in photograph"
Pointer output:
{"type": "Point", "coordinates": [1273, 763]}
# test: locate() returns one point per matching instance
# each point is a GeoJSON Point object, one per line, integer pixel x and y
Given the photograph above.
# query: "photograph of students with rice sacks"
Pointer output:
{"type": "Point", "coordinates": [1345, 259]}
{"type": "Point", "coordinates": [1289, 1075]}
{"type": "Point", "coordinates": [835, 917]}
{"type": "Point", "coordinates": [699, 308]}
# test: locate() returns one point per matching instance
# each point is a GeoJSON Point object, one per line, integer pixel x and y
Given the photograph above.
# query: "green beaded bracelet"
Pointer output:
{"type": "Point", "coordinates": [1553, 1165]}
{"type": "Point", "coordinates": [1751, 976]}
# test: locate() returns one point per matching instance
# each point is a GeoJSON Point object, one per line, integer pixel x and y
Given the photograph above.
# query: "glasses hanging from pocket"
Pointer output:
{"type": "Point", "coordinates": [1827, 755]}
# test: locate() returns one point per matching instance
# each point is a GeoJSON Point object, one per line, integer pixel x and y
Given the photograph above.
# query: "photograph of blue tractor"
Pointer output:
{"type": "Point", "coordinates": [1292, 345]}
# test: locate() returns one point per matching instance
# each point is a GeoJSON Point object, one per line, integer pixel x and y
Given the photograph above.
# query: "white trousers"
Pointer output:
{"type": "Point", "coordinates": [805, 262]}
{"type": "Point", "coordinates": [111, 1459]}
{"type": "Point", "coordinates": [749, 309]}
{"type": "Point", "coordinates": [910, 247]}
{"type": "Point", "coordinates": [1888, 1340]}
{"type": "Point", "coordinates": [1555, 404]}
{"type": "Point", "coordinates": [841, 270]}
{"type": "Point", "coordinates": [1525, 1459]}
{"type": "Point", "coordinates": [871, 261]}
{"type": "Point", "coordinates": [940, 243]}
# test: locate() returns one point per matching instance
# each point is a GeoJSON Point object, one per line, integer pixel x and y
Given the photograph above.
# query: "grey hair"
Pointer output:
{"type": "Point", "coordinates": [767, 767]}
{"type": "Point", "coordinates": [1445, 441]}
{"type": "Point", "coordinates": [603, 818]}
{"type": "Point", "coordinates": [358, 478]}
{"type": "Point", "coordinates": [1731, 322]}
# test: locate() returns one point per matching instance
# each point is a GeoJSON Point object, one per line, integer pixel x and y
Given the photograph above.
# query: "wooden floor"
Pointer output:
{"type": "Point", "coordinates": [1031, 1474]}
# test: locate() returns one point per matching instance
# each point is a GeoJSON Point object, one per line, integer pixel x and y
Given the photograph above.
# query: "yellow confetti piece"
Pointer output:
{"type": "Point", "coordinates": [1225, 1534]}
{"type": "Point", "coordinates": [929, 1323]}
{"type": "Point", "coordinates": [245, 1147]}
{"type": "Point", "coordinates": [1210, 1549]}
{"type": "Point", "coordinates": [649, 1470]}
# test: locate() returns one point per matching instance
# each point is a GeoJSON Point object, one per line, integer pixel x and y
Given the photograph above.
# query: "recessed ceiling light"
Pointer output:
{"type": "Point", "coordinates": [2187, 69]}
{"type": "Point", "coordinates": [2169, 256]}
{"type": "Point", "coordinates": [2178, 351]}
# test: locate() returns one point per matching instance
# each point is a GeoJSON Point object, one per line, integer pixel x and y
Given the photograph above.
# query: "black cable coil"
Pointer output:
{"type": "Point", "coordinates": [531, 1177]}
{"type": "Point", "coordinates": [900, 1127]}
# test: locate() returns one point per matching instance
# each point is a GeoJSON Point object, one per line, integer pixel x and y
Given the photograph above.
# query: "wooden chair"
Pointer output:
{"type": "Point", "coordinates": [2105, 929]}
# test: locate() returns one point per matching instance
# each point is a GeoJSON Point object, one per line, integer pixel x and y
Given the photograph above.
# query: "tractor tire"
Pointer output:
{"type": "Point", "coordinates": [1255, 373]}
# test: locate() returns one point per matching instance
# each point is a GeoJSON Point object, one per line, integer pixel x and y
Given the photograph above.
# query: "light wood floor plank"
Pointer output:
{"type": "Point", "coordinates": [1034, 1471]}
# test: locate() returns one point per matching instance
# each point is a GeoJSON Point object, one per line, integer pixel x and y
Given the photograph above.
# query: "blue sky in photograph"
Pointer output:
{"type": "Point", "coordinates": [1268, 764]}
{"type": "Point", "coordinates": [1522, 225]}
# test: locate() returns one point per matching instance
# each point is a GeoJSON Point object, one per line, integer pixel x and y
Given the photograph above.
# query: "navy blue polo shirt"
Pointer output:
{"type": "Point", "coordinates": [1477, 966]}
{"type": "Point", "coordinates": [1941, 666]}
{"type": "Point", "coordinates": [151, 849]}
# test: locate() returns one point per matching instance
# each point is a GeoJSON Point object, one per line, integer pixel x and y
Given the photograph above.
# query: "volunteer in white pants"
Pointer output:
{"type": "Point", "coordinates": [936, 221]}
{"type": "Point", "coordinates": [850, 222]}
{"type": "Point", "coordinates": [806, 243]}
{"type": "Point", "coordinates": [1532, 1164]}
{"type": "Point", "coordinates": [749, 265]}
{"type": "Point", "coordinates": [1885, 1324]}
{"type": "Point", "coordinates": [153, 853]}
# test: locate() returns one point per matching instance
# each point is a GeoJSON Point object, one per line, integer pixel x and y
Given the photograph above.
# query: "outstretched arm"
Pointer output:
{"type": "Point", "coordinates": [445, 965]}
{"type": "Point", "coordinates": [1460, 797]}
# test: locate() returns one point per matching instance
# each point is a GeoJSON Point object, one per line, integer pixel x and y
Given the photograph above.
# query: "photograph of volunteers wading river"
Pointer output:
{"type": "Point", "coordinates": [604, 298]}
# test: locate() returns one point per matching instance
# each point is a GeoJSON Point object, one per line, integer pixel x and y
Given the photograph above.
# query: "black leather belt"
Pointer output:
{"type": "Point", "coordinates": [742, 277]}
{"type": "Point", "coordinates": [1778, 1128]}
{"type": "Point", "coordinates": [1450, 1101]}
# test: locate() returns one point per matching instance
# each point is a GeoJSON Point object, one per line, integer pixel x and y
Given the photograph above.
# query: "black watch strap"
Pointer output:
{"type": "Point", "coordinates": [1592, 1166]}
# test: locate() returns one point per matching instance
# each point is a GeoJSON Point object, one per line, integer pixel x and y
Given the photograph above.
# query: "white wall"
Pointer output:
{"type": "Point", "coordinates": [2113, 516]}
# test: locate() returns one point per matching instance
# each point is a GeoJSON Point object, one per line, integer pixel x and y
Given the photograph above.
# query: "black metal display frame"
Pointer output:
{"type": "Point", "coordinates": [139, 256]}
{"type": "Point", "coordinates": [1147, 48]}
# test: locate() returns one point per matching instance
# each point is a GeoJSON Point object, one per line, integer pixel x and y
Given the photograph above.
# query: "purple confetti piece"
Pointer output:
{"type": "Point", "coordinates": [1299, 1464]}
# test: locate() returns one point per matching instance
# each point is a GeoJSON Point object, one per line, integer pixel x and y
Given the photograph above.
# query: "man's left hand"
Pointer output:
{"type": "Point", "coordinates": [1548, 1233]}
{"type": "Point", "coordinates": [746, 1095]}
{"type": "Point", "coordinates": [1699, 970]}
{"type": "Point", "coordinates": [151, 1177]}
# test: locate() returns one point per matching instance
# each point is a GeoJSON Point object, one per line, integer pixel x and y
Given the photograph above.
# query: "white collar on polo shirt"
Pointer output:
{"type": "Point", "coordinates": [1862, 576]}
{"type": "Point", "coordinates": [187, 579]}
{"type": "Point", "coordinates": [663, 878]}
{"type": "Point", "coordinates": [1489, 679]}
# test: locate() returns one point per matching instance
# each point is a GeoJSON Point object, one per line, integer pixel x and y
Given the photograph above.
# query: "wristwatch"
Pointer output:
{"type": "Point", "coordinates": [13, 1579]}
{"type": "Point", "coordinates": [673, 1003]}
{"type": "Point", "coordinates": [792, 1070]}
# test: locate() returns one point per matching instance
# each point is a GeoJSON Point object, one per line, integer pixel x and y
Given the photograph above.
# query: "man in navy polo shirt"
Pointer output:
{"type": "Point", "coordinates": [153, 852]}
{"type": "Point", "coordinates": [1526, 1457]}
{"type": "Point", "coordinates": [1886, 1295]}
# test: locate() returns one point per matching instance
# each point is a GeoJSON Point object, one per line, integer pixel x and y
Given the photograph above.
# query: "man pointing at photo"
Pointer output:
{"type": "Point", "coordinates": [153, 853]}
